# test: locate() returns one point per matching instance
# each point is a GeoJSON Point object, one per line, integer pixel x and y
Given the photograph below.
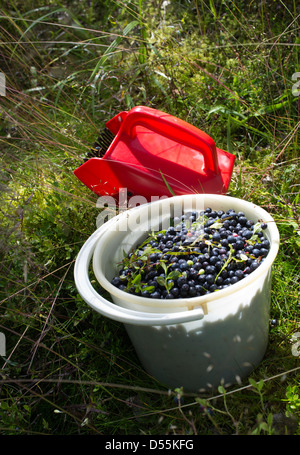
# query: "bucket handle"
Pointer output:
{"type": "Point", "coordinates": [109, 309]}
{"type": "Point", "coordinates": [173, 128]}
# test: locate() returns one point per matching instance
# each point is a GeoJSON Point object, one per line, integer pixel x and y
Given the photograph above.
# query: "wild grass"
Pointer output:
{"type": "Point", "coordinates": [226, 67]}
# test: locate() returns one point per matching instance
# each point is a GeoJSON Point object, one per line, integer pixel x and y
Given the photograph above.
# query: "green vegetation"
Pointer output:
{"type": "Point", "coordinates": [229, 68]}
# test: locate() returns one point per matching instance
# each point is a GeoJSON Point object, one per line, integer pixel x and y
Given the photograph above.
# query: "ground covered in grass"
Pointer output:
{"type": "Point", "coordinates": [229, 68]}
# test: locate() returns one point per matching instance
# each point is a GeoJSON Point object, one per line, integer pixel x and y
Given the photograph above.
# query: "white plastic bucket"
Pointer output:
{"type": "Point", "coordinates": [196, 343]}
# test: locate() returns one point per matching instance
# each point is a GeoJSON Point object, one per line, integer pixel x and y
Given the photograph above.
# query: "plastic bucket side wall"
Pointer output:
{"type": "Point", "coordinates": [200, 355]}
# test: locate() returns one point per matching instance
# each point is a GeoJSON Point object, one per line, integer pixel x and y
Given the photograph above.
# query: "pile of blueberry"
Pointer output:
{"type": "Point", "coordinates": [198, 254]}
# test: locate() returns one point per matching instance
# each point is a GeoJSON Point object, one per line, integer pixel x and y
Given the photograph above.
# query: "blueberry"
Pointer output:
{"type": "Point", "coordinates": [218, 265]}
{"type": "Point", "coordinates": [116, 281]}
{"type": "Point", "coordinates": [153, 257]}
{"type": "Point", "coordinates": [254, 265]}
{"type": "Point", "coordinates": [210, 278]}
{"type": "Point", "coordinates": [171, 230]}
{"type": "Point", "coordinates": [256, 252]}
{"type": "Point", "coordinates": [250, 224]}
{"type": "Point", "coordinates": [169, 244]}
{"type": "Point", "coordinates": [192, 291]}
{"type": "Point", "coordinates": [223, 234]}
{"type": "Point", "coordinates": [247, 234]}
{"type": "Point", "coordinates": [219, 280]}
{"type": "Point", "coordinates": [213, 287]}
{"type": "Point", "coordinates": [210, 269]}
{"type": "Point", "coordinates": [239, 274]}
{"type": "Point", "coordinates": [175, 292]}
{"type": "Point", "coordinates": [231, 239]}
{"type": "Point", "coordinates": [155, 295]}
{"type": "Point", "coordinates": [181, 281]}
{"type": "Point", "coordinates": [185, 287]}
{"type": "Point", "coordinates": [224, 242]}
{"type": "Point", "coordinates": [169, 295]}
{"type": "Point", "coordinates": [263, 252]}
{"type": "Point", "coordinates": [239, 245]}
{"type": "Point", "coordinates": [153, 283]}
{"type": "Point", "coordinates": [145, 293]}
{"type": "Point", "coordinates": [242, 220]}
{"type": "Point", "coordinates": [201, 278]}
{"type": "Point", "coordinates": [198, 288]}
{"type": "Point", "coordinates": [184, 266]}
{"type": "Point", "coordinates": [214, 259]}
{"type": "Point", "coordinates": [265, 243]}
{"type": "Point", "coordinates": [193, 273]}
{"type": "Point", "coordinates": [234, 279]}
{"type": "Point", "coordinates": [224, 274]}
{"type": "Point", "coordinates": [183, 294]}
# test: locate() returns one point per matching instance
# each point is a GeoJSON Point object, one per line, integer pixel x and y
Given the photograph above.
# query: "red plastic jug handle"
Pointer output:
{"type": "Point", "coordinates": [173, 128]}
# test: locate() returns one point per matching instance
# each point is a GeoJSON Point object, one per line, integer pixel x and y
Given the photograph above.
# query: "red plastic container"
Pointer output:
{"type": "Point", "coordinates": [156, 154]}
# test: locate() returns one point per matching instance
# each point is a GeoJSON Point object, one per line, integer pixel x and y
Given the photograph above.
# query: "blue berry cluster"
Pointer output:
{"type": "Point", "coordinates": [198, 254]}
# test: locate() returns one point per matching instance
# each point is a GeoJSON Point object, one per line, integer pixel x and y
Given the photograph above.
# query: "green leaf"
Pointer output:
{"type": "Point", "coordinates": [257, 385]}
{"type": "Point", "coordinates": [161, 281]}
{"type": "Point", "coordinates": [166, 183]}
{"type": "Point", "coordinates": [252, 382]}
{"type": "Point", "coordinates": [216, 225]}
{"type": "Point", "coordinates": [213, 9]}
{"type": "Point", "coordinates": [169, 285]}
{"type": "Point", "coordinates": [221, 389]}
{"type": "Point", "coordinates": [137, 279]}
{"type": "Point", "coordinates": [149, 288]}
{"type": "Point", "coordinates": [257, 227]}
{"type": "Point", "coordinates": [163, 265]}
{"type": "Point", "coordinates": [260, 385]}
{"type": "Point", "coordinates": [174, 275]}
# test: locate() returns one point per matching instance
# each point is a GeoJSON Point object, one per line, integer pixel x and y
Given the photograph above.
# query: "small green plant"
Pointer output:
{"type": "Point", "coordinates": [258, 386]}
{"type": "Point", "coordinates": [264, 426]}
{"type": "Point", "coordinates": [168, 280]}
{"type": "Point", "coordinates": [292, 400]}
